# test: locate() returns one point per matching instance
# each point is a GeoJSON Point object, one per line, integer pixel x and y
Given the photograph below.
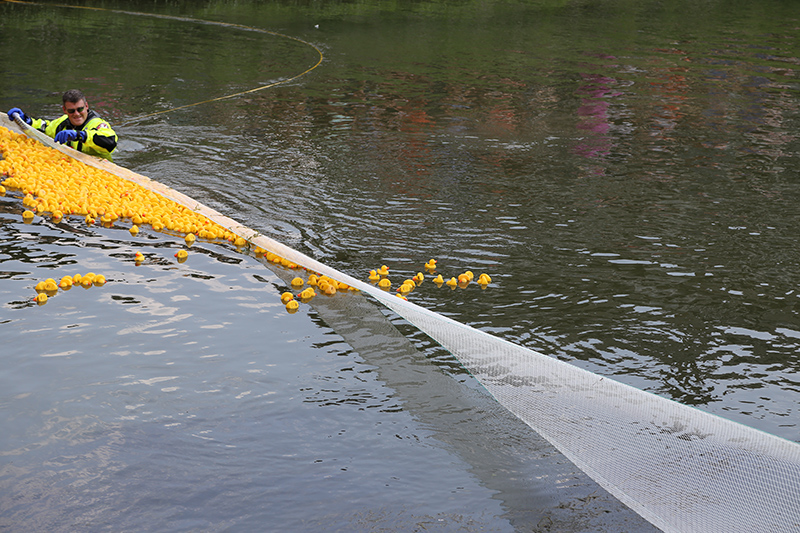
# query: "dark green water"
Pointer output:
{"type": "Point", "coordinates": [627, 173]}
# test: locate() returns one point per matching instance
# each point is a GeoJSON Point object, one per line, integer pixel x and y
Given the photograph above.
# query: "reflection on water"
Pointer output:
{"type": "Point", "coordinates": [625, 173]}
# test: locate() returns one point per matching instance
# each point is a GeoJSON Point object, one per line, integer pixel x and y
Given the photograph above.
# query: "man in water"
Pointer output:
{"type": "Point", "coordinates": [79, 128]}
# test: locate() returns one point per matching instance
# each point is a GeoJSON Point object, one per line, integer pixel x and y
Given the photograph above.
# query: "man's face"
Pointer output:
{"type": "Point", "coordinates": [76, 111]}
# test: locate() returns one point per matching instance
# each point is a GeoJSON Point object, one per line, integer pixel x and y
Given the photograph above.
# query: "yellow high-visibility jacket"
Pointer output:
{"type": "Point", "coordinates": [101, 140]}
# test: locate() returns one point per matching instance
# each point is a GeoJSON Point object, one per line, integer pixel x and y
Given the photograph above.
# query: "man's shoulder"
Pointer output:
{"type": "Point", "coordinates": [96, 122]}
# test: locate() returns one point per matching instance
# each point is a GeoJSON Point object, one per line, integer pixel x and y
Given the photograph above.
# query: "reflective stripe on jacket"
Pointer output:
{"type": "Point", "coordinates": [101, 140]}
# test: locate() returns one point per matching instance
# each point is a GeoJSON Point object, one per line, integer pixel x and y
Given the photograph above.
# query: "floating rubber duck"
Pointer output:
{"type": "Point", "coordinates": [463, 279]}
{"type": "Point", "coordinates": [50, 286]}
{"type": "Point", "coordinates": [181, 255]}
{"type": "Point", "coordinates": [470, 275]}
{"type": "Point", "coordinates": [383, 271]}
{"type": "Point", "coordinates": [452, 282]}
{"type": "Point", "coordinates": [134, 230]}
{"type": "Point", "coordinates": [65, 283]}
{"type": "Point", "coordinates": [292, 306]}
{"type": "Point", "coordinates": [89, 220]}
{"type": "Point", "coordinates": [385, 284]}
{"type": "Point", "coordinates": [27, 215]}
{"type": "Point", "coordinates": [297, 282]}
{"type": "Point", "coordinates": [86, 282]}
{"type": "Point", "coordinates": [431, 265]}
{"type": "Point", "coordinates": [76, 279]}
{"type": "Point", "coordinates": [286, 297]}
{"type": "Point", "coordinates": [307, 294]}
{"type": "Point", "coordinates": [40, 287]}
{"type": "Point", "coordinates": [189, 239]}
{"type": "Point", "coordinates": [57, 216]}
{"type": "Point", "coordinates": [329, 290]}
{"type": "Point", "coordinates": [139, 257]}
{"type": "Point", "coordinates": [313, 279]}
{"type": "Point", "coordinates": [418, 278]}
{"type": "Point", "coordinates": [439, 280]}
{"type": "Point", "coordinates": [405, 288]}
{"type": "Point", "coordinates": [374, 276]}
{"type": "Point", "coordinates": [99, 280]}
{"type": "Point", "coordinates": [40, 298]}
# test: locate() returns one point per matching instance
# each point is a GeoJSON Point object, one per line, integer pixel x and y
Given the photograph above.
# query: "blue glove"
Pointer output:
{"type": "Point", "coordinates": [65, 136]}
{"type": "Point", "coordinates": [17, 111]}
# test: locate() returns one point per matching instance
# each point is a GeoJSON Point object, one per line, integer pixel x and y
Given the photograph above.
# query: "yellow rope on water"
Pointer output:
{"type": "Point", "coordinates": [197, 21]}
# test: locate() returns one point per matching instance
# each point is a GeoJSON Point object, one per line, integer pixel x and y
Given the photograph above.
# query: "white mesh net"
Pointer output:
{"type": "Point", "coordinates": [680, 468]}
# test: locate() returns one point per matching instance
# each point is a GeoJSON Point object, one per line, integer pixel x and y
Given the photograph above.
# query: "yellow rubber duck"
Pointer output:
{"type": "Point", "coordinates": [89, 220]}
{"type": "Point", "coordinates": [134, 230]}
{"type": "Point", "coordinates": [383, 271]}
{"type": "Point", "coordinates": [470, 275]}
{"type": "Point", "coordinates": [190, 238]}
{"type": "Point", "coordinates": [385, 284]}
{"type": "Point", "coordinates": [292, 306]}
{"type": "Point", "coordinates": [27, 215]}
{"type": "Point", "coordinates": [405, 288]}
{"type": "Point", "coordinates": [139, 257]}
{"type": "Point", "coordinates": [297, 282]}
{"type": "Point", "coordinates": [313, 280]}
{"type": "Point", "coordinates": [418, 278]}
{"type": "Point", "coordinates": [40, 298]}
{"type": "Point", "coordinates": [307, 294]}
{"type": "Point", "coordinates": [99, 280]}
{"type": "Point", "coordinates": [66, 282]}
{"type": "Point", "coordinates": [286, 297]}
{"type": "Point", "coordinates": [438, 280]}
{"type": "Point", "coordinates": [374, 276]}
{"type": "Point", "coordinates": [182, 255]}
{"type": "Point", "coordinates": [330, 289]}
{"type": "Point", "coordinates": [40, 287]}
{"type": "Point", "coordinates": [452, 282]}
{"type": "Point", "coordinates": [463, 278]}
{"type": "Point", "coordinates": [431, 265]}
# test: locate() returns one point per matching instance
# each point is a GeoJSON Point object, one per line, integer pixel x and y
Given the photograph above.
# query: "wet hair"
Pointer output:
{"type": "Point", "coordinates": [73, 95]}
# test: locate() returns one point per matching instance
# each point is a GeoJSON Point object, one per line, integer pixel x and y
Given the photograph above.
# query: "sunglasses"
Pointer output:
{"type": "Point", "coordinates": [76, 110]}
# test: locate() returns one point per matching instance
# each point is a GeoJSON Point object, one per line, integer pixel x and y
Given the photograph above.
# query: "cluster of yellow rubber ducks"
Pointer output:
{"type": "Point", "coordinates": [462, 281]}
{"type": "Point", "coordinates": [325, 284]}
{"type": "Point", "coordinates": [61, 186]}
{"type": "Point", "coordinates": [49, 287]}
